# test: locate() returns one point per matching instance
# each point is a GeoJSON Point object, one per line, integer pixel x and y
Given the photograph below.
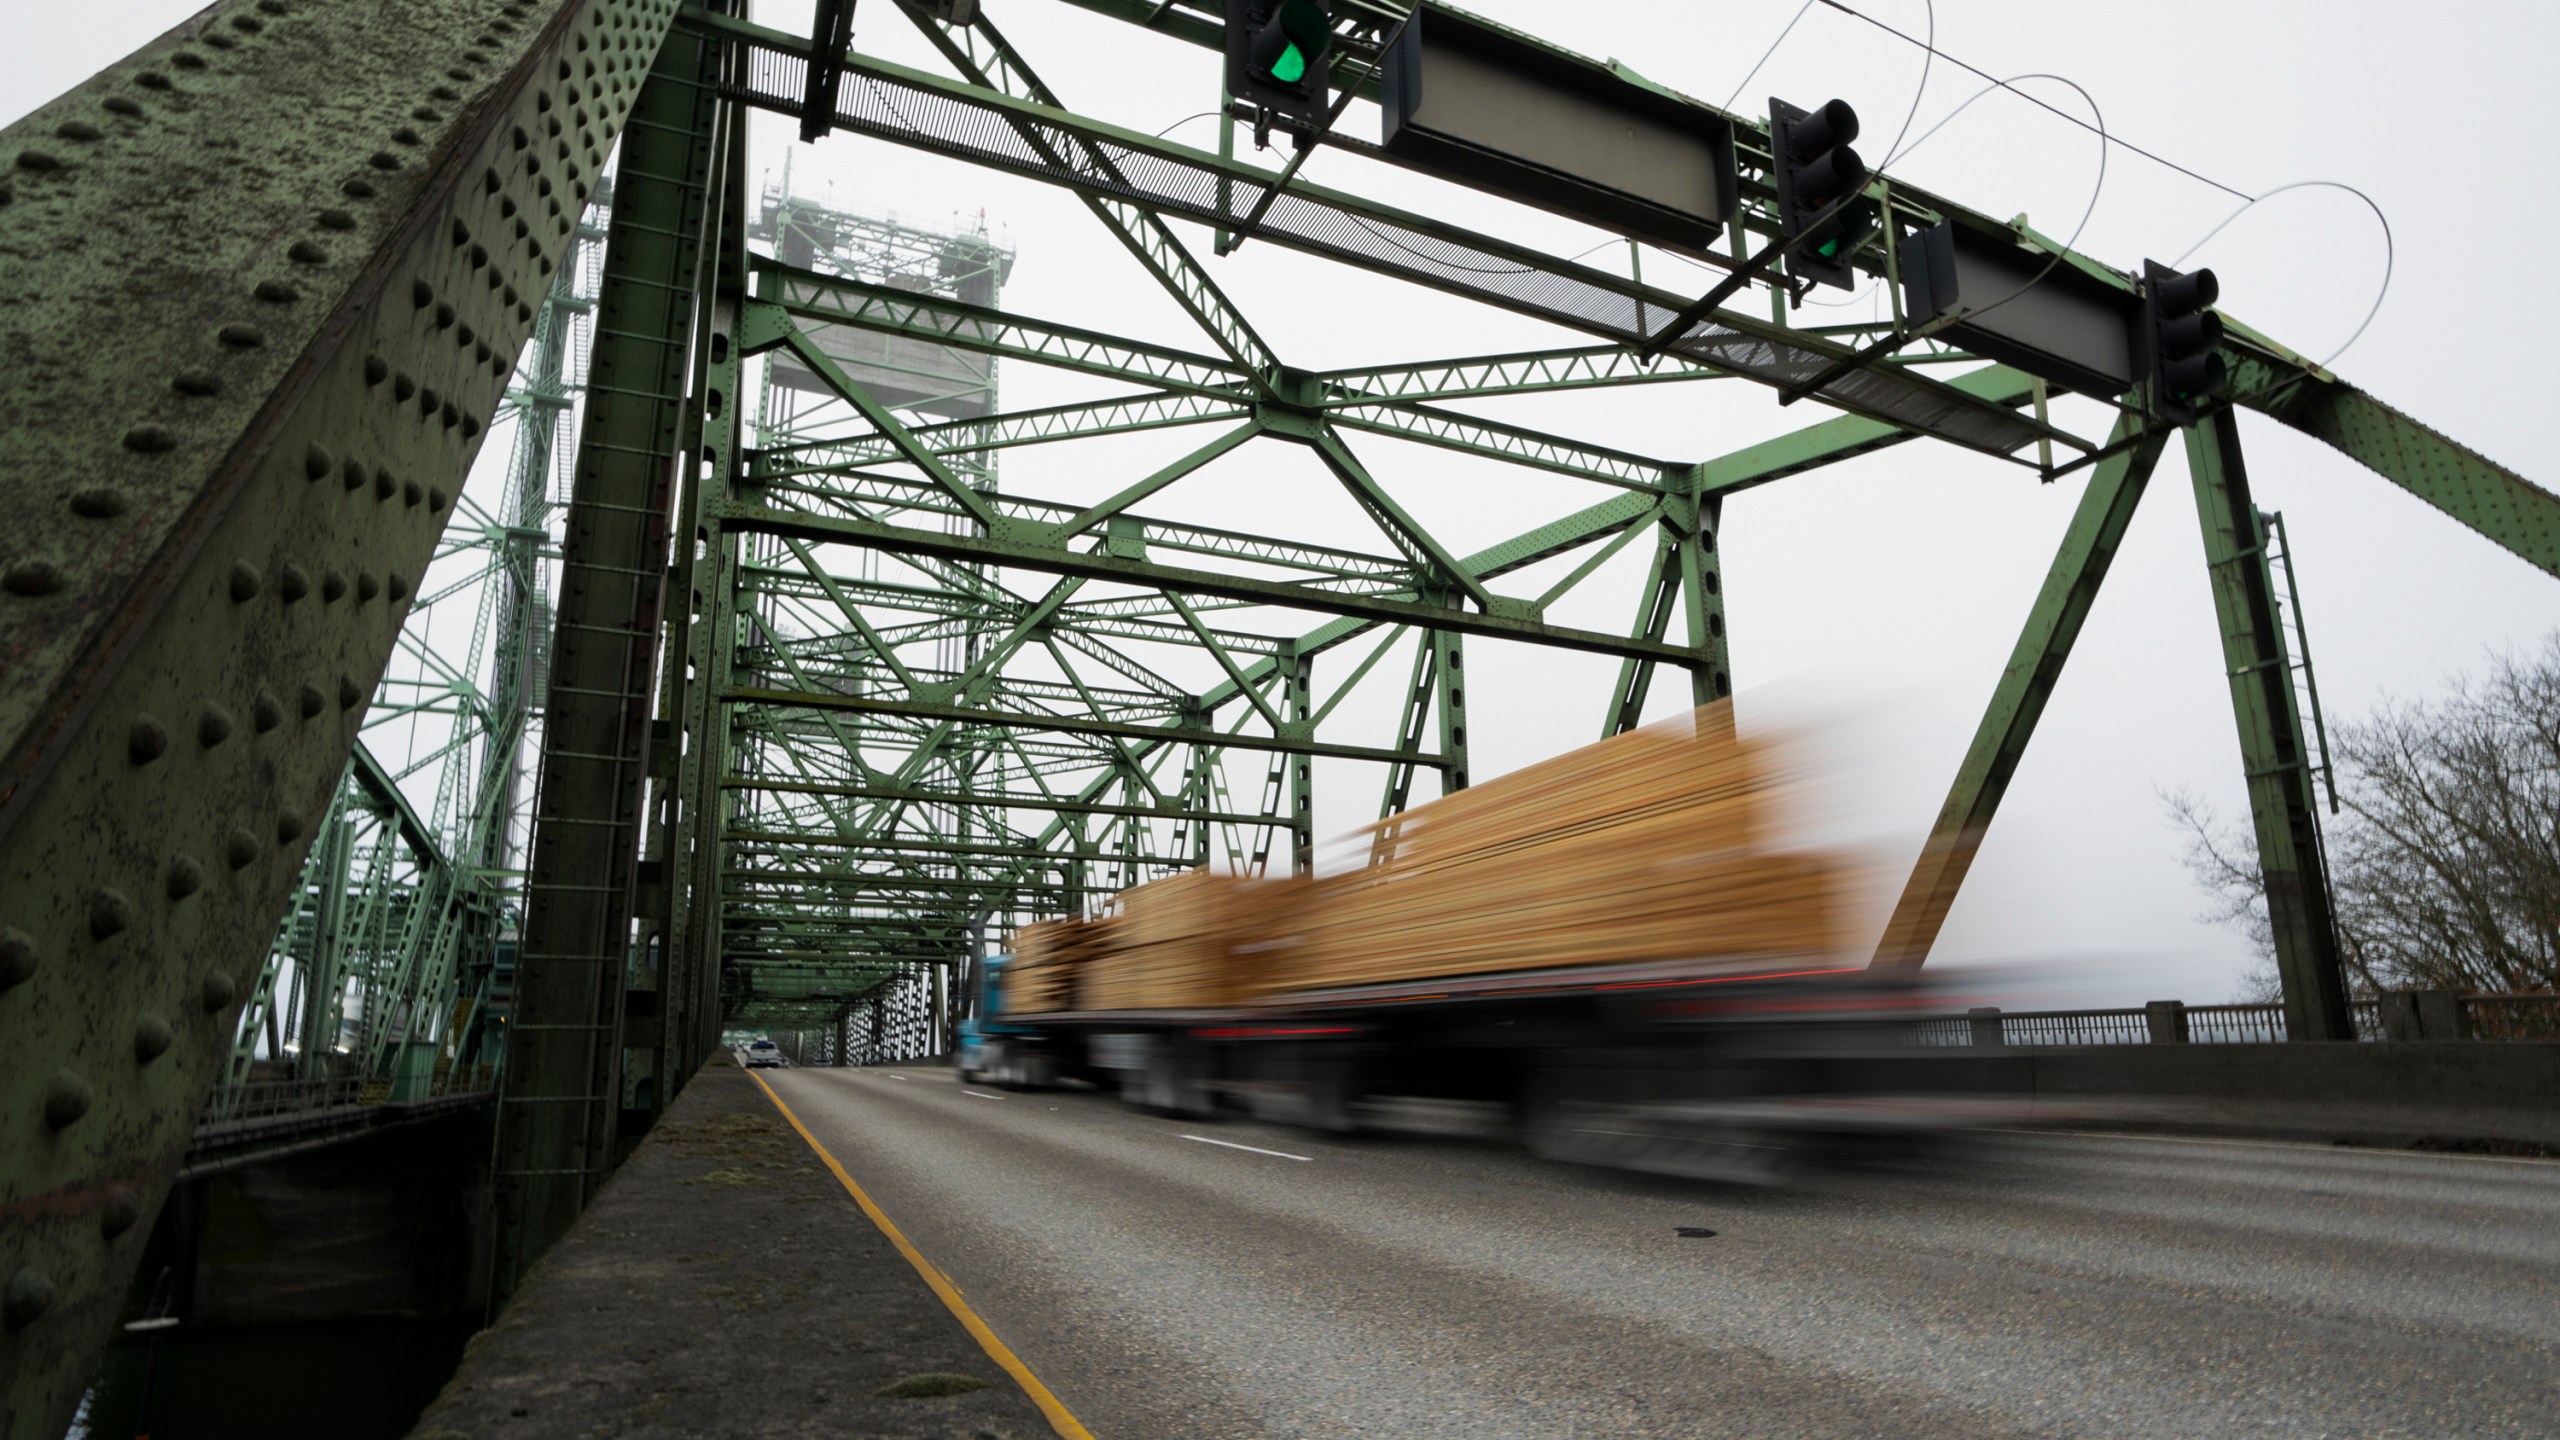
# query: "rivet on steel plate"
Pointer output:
{"type": "Point", "coordinates": [151, 1037]}
{"type": "Point", "coordinates": [96, 502]}
{"type": "Point", "coordinates": [110, 913]}
{"type": "Point", "coordinates": [29, 1295]}
{"type": "Point", "coordinates": [146, 741]}
{"type": "Point", "coordinates": [66, 1099]}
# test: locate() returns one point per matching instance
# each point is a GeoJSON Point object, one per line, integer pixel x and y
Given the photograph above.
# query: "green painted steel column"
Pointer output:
{"type": "Point", "coordinates": [561, 1098]}
{"type": "Point", "coordinates": [1702, 590]}
{"type": "Point", "coordinates": [1449, 676]}
{"type": "Point", "coordinates": [1297, 685]}
{"type": "Point", "coordinates": [686, 840]}
{"type": "Point", "coordinates": [2035, 665]}
{"type": "Point", "coordinates": [2277, 761]}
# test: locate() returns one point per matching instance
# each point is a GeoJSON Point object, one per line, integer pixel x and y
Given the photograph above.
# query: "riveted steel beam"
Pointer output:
{"type": "Point", "coordinates": [2275, 760]}
{"type": "Point", "coordinates": [2456, 479]}
{"type": "Point", "coordinates": [561, 1101]}
{"type": "Point", "coordinates": [290, 255]}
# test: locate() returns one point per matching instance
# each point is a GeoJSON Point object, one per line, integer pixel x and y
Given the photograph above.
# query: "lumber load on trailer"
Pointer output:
{"type": "Point", "coordinates": [1049, 959]}
{"type": "Point", "coordinates": [1653, 845]}
{"type": "Point", "coordinates": [1175, 942]}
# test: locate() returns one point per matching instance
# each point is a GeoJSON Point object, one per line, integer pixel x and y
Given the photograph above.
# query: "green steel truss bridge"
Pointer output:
{"type": "Point", "coordinates": [753, 697]}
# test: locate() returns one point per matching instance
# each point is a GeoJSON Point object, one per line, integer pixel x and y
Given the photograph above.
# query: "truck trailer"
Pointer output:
{"type": "Point", "coordinates": [1613, 944]}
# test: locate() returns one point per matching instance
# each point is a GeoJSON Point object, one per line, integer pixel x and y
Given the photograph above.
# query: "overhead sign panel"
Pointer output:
{"type": "Point", "coordinates": [1492, 109]}
{"type": "Point", "coordinates": [2022, 307]}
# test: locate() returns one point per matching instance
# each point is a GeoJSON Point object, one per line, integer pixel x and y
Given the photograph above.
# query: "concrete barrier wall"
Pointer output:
{"type": "Point", "coordinates": [2393, 1092]}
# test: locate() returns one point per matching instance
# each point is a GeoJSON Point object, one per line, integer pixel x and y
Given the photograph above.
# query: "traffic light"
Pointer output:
{"type": "Point", "coordinates": [2185, 336]}
{"type": "Point", "coordinates": [1815, 170]}
{"type": "Point", "coordinates": [1277, 56]}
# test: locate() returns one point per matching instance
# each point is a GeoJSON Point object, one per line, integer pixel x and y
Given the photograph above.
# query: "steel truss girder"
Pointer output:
{"type": "Point", "coordinates": [1161, 410]}
{"type": "Point", "coordinates": [844, 300]}
{"type": "Point", "coordinates": [238, 508]}
{"type": "Point", "coordinates": [1401, 607]}
{"type": "Point", "coordinates": [2088, 548]}
{"type": "Point", "coordinates": [1081, 725]}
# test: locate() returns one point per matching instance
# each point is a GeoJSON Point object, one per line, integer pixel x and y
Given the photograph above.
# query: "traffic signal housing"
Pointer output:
{"type": "Point", "coordinates": [2185, 366]}
{"type": "Point", "coordinates": [1816, 172]}
{"type": "Point", "coordinates": [1279, 57]}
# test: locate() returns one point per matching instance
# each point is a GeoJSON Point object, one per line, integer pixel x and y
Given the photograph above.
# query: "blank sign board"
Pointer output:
{"type": "Point", "coordinates": [1494, 110]}
{"type": "Point", "coordinates": [2020, 307]}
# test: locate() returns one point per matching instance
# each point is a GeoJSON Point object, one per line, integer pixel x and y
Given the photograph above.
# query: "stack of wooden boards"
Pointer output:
{"type": "Point", "coordinates": [1655, 845]}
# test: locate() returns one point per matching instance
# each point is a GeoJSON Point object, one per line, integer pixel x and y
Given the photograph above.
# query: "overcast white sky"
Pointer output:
{"type": "Point", "coordinates": [1885, 593]}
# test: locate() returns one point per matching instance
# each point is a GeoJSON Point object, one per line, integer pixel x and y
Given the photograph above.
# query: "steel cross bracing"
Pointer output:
{"type": "Point", "coordinates": [874, 705]}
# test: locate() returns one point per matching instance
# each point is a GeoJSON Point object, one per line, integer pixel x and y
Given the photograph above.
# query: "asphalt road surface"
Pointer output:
{"type": "Point", "coordinates": [1443, 1286]}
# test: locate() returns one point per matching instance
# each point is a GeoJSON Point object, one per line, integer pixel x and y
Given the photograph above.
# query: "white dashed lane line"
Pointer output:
{"type": "Point", "coordinates": [981, 1095]}
{"type": "Point", "coordinates": [1255, 1149]}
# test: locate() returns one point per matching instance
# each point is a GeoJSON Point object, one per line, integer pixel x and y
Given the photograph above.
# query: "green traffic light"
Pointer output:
{"type": "Point", "coordinates": [1291, 67]}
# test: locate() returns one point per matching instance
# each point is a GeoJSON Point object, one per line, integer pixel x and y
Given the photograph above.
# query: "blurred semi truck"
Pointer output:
{"type": "Point", "coordinates": [1613, 943]}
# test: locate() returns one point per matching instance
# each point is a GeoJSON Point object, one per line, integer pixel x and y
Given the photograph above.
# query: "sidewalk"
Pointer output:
{"type": "Point", "coordinates": [724, 1284]}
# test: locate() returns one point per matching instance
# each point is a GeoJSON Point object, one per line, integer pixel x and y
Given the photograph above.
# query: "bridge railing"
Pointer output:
{"type": "Point", "coordinates": [2400, 1015]}
{"type": "Point", "coordinates": [2511, 1017]}
{"type": "Point", "coordinates": [262, 1099]}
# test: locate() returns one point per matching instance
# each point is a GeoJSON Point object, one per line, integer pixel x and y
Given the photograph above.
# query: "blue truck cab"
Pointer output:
{"type": "Point", "coordinates": [989, 1046]}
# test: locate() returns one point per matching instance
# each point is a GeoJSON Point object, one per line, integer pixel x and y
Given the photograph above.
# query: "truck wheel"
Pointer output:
{"type": "Point", "coordinates": [1310, 1092]}
{"type": "Point", "coordinates": [1174, 1082]}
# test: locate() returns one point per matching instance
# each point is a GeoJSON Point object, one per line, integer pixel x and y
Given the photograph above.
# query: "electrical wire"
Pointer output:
{"type": "Point", "coordinates": [1185, 120]}
{"type": "Point", "coordinates": [1928, 57]}
{"type": "Point", "coordinates": [2248, 201]}
{"type": "Point", "coordinates": [1765, 54]}
{"type": "Point", "coordinates": [2032, 100]}
{"type": "Point", "coordinates": [1976, 312]}
{"type": "Point", "coordinates": [2390, 251]}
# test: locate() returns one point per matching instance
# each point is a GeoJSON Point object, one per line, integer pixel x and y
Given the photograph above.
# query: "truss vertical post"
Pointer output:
{"type": "Point", "coordinates": [1297, 691]}
{"type": "Point", "coordinates": [2035, 665]}
{"type": "Point", "coordinates": [1449, 681]}
{"type": "Point", "coordinates": [701, 633]}
{"type": "Point", "coordinates": [1702, 596]}
{"type": "Point", "coordinates": [562, 1092]}
{"type": "Point", "coordinates": [2276, 760]}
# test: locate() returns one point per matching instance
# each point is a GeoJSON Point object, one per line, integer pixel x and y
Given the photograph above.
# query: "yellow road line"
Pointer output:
{"type": "Point", "coordinates": [1060, 1418]}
